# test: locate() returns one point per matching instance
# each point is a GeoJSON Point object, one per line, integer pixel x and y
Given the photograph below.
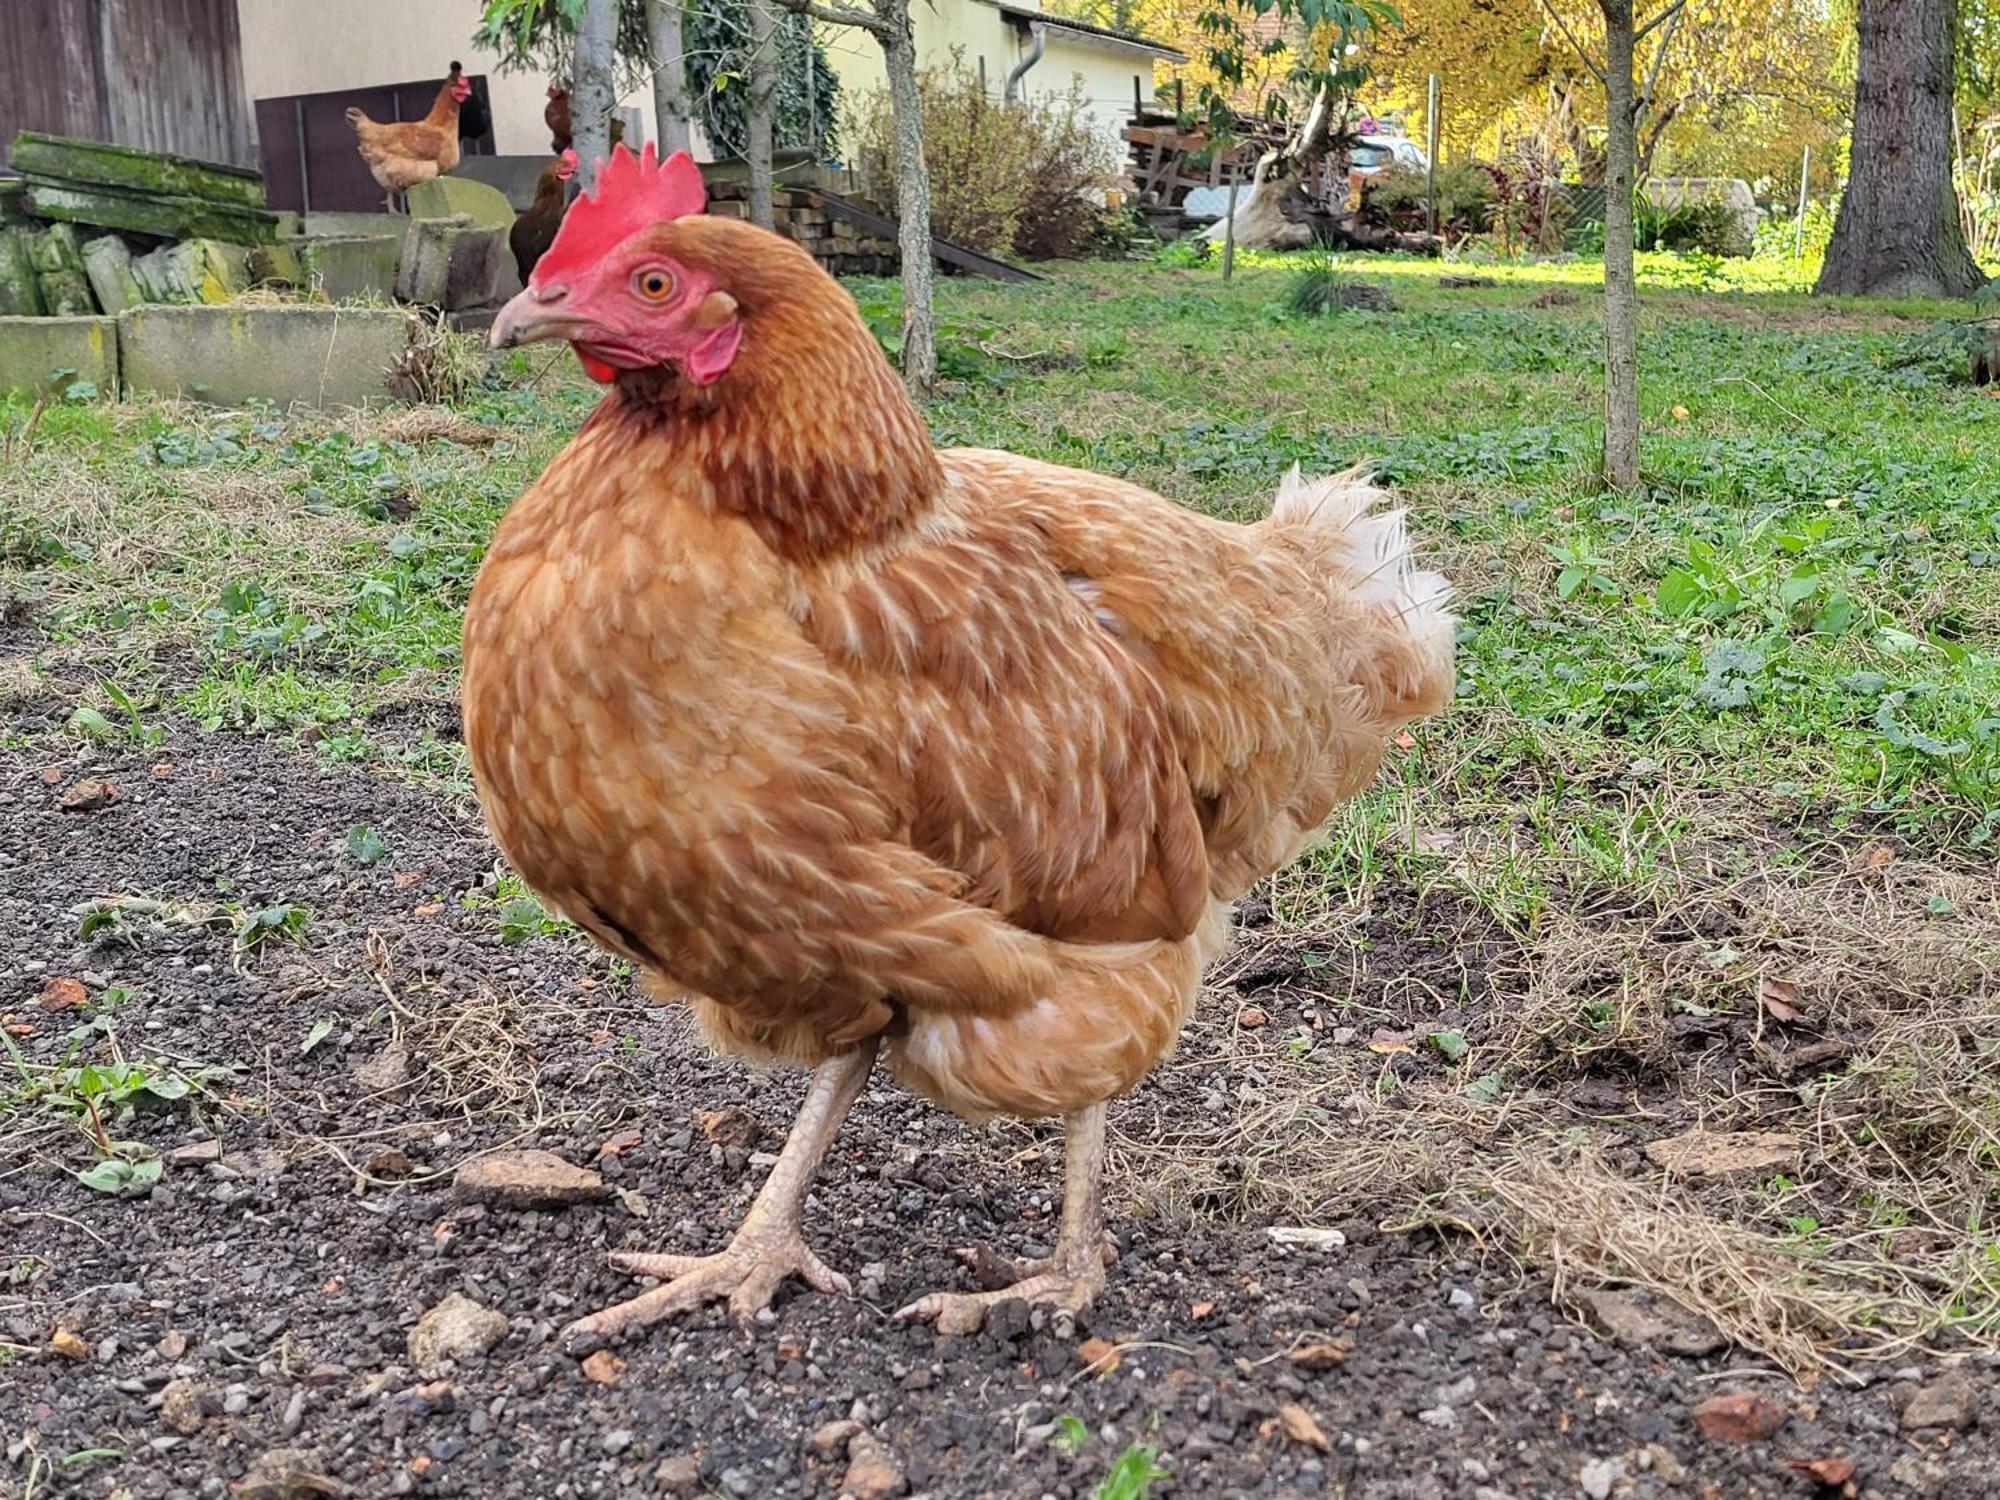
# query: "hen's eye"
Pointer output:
{"type": "Point", "coordinates": [654, 285]}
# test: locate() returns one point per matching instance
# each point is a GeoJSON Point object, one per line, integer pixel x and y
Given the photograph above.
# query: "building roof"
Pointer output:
{"type": "Point", "coordinates": [1028, 15]}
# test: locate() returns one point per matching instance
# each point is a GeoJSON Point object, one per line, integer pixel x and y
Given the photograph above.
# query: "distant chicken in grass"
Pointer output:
{"type": "Point", "coordinates": [867, 747]}
{"type": "Point", "coordinates": [400, 156]}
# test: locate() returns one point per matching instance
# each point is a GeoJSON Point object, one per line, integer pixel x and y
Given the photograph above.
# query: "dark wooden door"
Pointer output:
{"type": "Point", "coordinates": [309, 156]}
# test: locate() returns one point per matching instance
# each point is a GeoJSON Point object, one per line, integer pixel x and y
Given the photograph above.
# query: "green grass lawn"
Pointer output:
{"type": "Point", "coordinates": [1686, 717]}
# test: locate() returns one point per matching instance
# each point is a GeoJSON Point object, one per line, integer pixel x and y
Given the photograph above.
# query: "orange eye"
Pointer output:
{"type": "Point", "coordinates": [653, 284]}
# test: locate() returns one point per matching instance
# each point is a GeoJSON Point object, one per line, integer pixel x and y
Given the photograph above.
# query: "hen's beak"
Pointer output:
{"type": "Point", "coordinates": [537, 313]}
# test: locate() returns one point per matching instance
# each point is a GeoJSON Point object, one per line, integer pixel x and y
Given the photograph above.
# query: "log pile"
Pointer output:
{"type": "Point", "coordinates": [799, 214]}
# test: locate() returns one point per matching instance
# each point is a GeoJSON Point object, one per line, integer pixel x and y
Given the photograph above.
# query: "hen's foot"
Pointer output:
{"type": "Point", "coordinates": [748, 1274]}
{"type": "Point", "coordinates": [1065, 1292]}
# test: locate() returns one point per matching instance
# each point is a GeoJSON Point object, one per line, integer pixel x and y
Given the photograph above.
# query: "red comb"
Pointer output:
{"type": "Point", "coordinates": [566, 168]}
{"type": "Point", "coordinates": [632, 193]}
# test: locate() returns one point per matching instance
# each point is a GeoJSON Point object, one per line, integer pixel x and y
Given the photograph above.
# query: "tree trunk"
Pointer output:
{"type": "Point", "coordinates": [593, 94]}
{"type": "Point", "coordinates": [759, 102]}
{"type": "Point", "coordinates": [1898, 232]}
{"type": "Point", "coordinates": [913, 197]}
{"type": "Point", "coordinates": [1621, 287]}
{"type": "Point", "coordinates": [669, 53]}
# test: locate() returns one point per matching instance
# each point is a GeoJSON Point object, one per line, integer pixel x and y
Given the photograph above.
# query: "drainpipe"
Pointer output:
{"type": "Point", "coordinates": [1011, 90]}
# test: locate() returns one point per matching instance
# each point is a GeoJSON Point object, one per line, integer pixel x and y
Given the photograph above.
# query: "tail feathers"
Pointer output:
{"type": "Point", "coordinates": [1371, 546]}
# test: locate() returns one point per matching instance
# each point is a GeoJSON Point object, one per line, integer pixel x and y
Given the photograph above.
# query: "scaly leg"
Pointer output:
{"type": "Point", "coordinates": [1067, 1281]}
{"type": "Point", "coordinates": [769, 1244]}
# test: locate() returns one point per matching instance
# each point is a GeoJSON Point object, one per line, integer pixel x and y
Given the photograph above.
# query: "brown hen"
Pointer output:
{"type": "Point", "coordinates": [954, 755]}
{"type": "Point", "coordinates": [400, 156]}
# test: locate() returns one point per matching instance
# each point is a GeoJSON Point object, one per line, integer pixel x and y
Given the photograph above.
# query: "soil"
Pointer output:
{"type": "Point", "coordinates": [281, 1282]}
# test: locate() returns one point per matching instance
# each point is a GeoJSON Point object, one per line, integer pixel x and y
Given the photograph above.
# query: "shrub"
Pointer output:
{"type": "Point", "coordinates": [1321, 288]}
{"type": "Point", "coordinates": [1706, 224]}
{"type": "Point", "coordinates": [1398, 196]}
{"type": "Point", "coordinates": [1024, 178]}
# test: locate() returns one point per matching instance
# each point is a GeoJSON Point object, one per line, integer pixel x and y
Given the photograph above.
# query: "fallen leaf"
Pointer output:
{"type": "Point", "coordinates": [1875, 859]}
{"type": "Point", "coordinates": [1781, 999]}
{"type": "Point", "coordinates": [1724, 1153]}
{"type": "Point", "coordinates": [1739, 1417]}
{"type": "Point", "coordinates": [635, 1204]}
{"type": "Point", "coordinates": [420, 1464]}
{"type": "Point", "coordinates": [1201, 1310]}
{"type": "Point", "coordinates": [1322, 1356]}
{"type": "Point", "coordinates": [1405, 740]}
{"type": "Point", "coordinates": [1680, 413]}
{"type": "Point", "coordinates": [427, 909]}
{"type": "Point", "coordinates": [53, 775]}
{"type": "Point", "coordinates": [68, 1345]}
{"type": "Point", "coordinates": [20, 1028]}
{"type": "Point", "coordinates": [1388, 1042]}
{"type": "Point", "coordinates": [331, 1286]}
{"type": "Point", "coordinates": [88, 794]}
{"type": "Point", "coordinates": [1250, 1018]}
{"type": "Point", "coordinates": [63, 994]}
{"type": "Point", "coordinates": [603, 1367]}
{"type": "Point", "coordinates": [1098, 1356]}
{"type": "Point", "coordinates": [402, 880]}
{"type": "Point", "coordinates": [1831, 1472]}
{"type": "Point", "coordinates": [1301, 1428]}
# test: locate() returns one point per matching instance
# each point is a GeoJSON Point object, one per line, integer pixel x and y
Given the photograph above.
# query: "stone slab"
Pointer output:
{"type": "Point", "coordinates": [353, 267]}
{"type": "Point", "coordinates": [153, 172]}
{"type": "Point", "coordinates": [149, 213]}
{"type": "Point", "coordinates": [315, 356]}
{"type": "Point", "coordinates": [20, 292]}
{"type": "Point", "coordinates": [32, 349]}
{"type": "Point", "coordinates": [317, 225]}
{"type": "Point", "coordinates": [513, 176]}
{"type": "Point", "coordinates": [107, 261]}
{"type": "Point", "coordinates": [446, 197]}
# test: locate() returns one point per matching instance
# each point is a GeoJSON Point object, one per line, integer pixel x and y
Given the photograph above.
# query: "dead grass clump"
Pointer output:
{"type": "Point", "coordinates": [423, 424]}
{"type": "Point", "coordinates": [441, 365]}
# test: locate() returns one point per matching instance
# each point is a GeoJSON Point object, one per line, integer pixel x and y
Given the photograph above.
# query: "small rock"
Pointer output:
{"type": "Point", "coordinates": [1739, 1417]}
{"type": "Point", "coordinates": [387, 1071]}
{"type": "Point", "coordinates": [287, 1474]}
{"type": "Point", "coordinates": [295, 1412]}
{"type": "Point", "coordinates": [63, 994]}
{"type": "Point", "coordinates": [617, 1440]}
{"type": "Point", "coordinates": [1641, 1319]}
{"type": "Point", "coordinates": [1667, 1468]}
{"type": "Point", "coordinates": [1725, 1153]}
{"type": "Point", "coordinates": [733, 1125]}
{"type": "Point", "coordinates": [1438, 1416]}
{"type": "Point", "coordinates": [1321, 1356]}
{"type": "Point", "coordinates": [872, 1471]}
{"type": "Point", "coordinates": [1250, 1018]}
{"type": "Point", "coordinates": [235, 1401]}
{"type": "Point", "coordinates": [525, 1179]}
{"type": "Point", "coordinates": [680, 1475]}
{"type": "Point", "coordinates": [195, 1153]}
{"type": "Point", "coordinates": [1311, 1239]}
{"type": "Point", "coordinates": [1599, 1475]}
{"type": "Point", "coordinates": [602, 1367]}
{"type": "Point", "coordinates": [456, 1328]}
{"type": "Point", "coordinates": [738, 1483]}
{"type": "Point", "coordinates": [181, 1408]}
{"type": "Point", "coordinates": [833, 1437]}
{"type": "Point", "coordinates": [1463, 1302]}
{"type": "Point", "coordinates": [172, 1345]}
{"type": "Point", "coordinates": [387, 1161]}
{"type": "Point", "coordinates": [68, 1345]}
{"type": "Point", "coordinates": [1948, 1401]}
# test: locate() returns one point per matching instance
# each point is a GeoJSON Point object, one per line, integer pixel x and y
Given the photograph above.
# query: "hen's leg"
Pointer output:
{"type": "Point", "coordinates": [769, 1244]}
{"type": "Point", "coordinates": [1067, 1281]}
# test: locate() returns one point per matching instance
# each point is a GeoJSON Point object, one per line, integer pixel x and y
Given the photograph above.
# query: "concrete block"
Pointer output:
{"type": "Point", "coordinates": [66, 294]}
{"type": "Point", "coordinates": [277, 265]}
{"type": "Point", "coordinates": [193, 271]}
{"type": "Point", "coordinates": [514, 176]}
{"type": "Point", "coordinates": [317, 356]}
{"type": "Point", "coordinates": [55, 249]}
{"type": "Point", "coordinates": [451, 263]}
{"type": "Point", "coordinates": [354, 266]}
{"type": "Point", "coordinates": [20, 291]}
{"type": "Point", "coordinates": [107, 261]}
{"type": "Point", "coordinates": [32, 349]}
{"type": "Point", "coordinates": [447, 197]}
{"type": "Point", "coordinates": [316, 226]}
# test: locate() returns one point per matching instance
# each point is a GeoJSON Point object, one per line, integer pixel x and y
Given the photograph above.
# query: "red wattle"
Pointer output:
{"type": "Point", "coordinates": [596, 368]}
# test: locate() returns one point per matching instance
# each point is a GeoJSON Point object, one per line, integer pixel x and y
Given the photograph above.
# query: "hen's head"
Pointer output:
{"type": "Point", "coordinates": [635, 277]}
{"type": "Point", "coordinates": [459, 84]}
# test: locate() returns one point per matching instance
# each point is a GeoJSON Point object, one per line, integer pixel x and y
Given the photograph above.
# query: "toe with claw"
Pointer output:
{"type": "Point", "coordinates": [747, 1275]}
{"type": "Point", "coordinates": [1065, 1293]}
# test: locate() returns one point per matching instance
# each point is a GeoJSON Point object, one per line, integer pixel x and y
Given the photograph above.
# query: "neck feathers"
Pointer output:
{"type": "Point", "coordinates": [810, 436]}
